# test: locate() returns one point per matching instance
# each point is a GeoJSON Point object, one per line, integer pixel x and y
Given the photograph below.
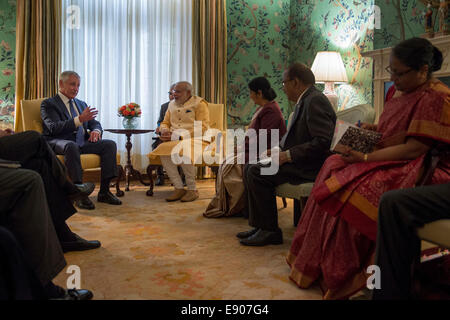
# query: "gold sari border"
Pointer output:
{"type": "Point", "coordinates": [430, 129]}
{"type": "Point", "coordinates": [333, 184]}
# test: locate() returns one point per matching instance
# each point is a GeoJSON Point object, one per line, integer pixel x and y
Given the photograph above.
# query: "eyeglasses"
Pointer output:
{"type": "Point", "coordinates": [284, 82]}
{"type": "Point", "coordinates": [397, 74]}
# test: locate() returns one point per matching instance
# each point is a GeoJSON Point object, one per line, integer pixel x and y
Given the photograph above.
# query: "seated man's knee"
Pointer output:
{"type": "Point", "coordinates": [32, 136]}
{"type": "Point", "coordinates": [71, 149]}
{"type": "Point", "coordinates": [110, 145]}
{"type": "Point", "coordinates": [32, 177]}
{"type": "Point", "coordinates": [390, 198]}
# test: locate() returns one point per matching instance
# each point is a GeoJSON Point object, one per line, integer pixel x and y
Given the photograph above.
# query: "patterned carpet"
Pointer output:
{"type": "Point", "coordinates": [154, 250]}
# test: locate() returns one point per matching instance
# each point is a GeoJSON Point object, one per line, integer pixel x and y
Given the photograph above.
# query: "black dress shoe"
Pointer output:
{"type": "Point", "coordinates": [73, 294]}
{"type": "Point", "coordinates": [263, 238]}
{"type": "Point", "coordinates": [109, 198]}
{"type": "Point", "coordinates": [83, 190]}
{"type": "Point", "coordinates": [246, 234]}
{"type": "Point", "coordinates": [85, 203]}
{"type": "Point", "coordinates": [159, 181]}
{"type": "Point", "coordinates": [80, 244]}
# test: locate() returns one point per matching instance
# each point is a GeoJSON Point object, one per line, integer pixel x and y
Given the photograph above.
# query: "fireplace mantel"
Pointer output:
{"type": "Point", "coordinates": [381, 61]}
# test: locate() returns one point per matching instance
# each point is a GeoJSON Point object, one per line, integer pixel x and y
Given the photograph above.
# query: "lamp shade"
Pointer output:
{"type": "Point", "coordinates": [328, 67]}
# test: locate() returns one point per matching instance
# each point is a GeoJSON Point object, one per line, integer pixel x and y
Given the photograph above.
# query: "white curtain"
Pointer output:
{"type": "Point", "coordinates": [127, 51]}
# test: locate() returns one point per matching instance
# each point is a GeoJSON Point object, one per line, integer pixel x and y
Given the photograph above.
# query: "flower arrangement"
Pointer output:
{"type": "Point", "coordinates": [131, 110]}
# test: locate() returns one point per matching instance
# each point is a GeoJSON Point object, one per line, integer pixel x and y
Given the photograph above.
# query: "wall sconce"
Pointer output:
{"type": "Point", "coordinates": [328, 68]}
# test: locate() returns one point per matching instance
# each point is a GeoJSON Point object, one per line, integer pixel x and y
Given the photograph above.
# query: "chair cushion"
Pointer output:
{"type": "Point", "coordinates": [437, 232]}
{"type": "Point", "coordinates": [31, 115]}
{"type": "Point", "coordinates": [288, 190]}
{"type": "Point", "coordinates": [362, 112]}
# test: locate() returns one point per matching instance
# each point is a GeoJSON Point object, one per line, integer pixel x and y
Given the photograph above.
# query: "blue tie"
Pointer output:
{"type": "Point", "coordinates": [80, 131]}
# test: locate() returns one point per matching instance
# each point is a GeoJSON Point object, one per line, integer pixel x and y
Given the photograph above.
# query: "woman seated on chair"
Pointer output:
{"type": "Point", "coordinates": [230, 197]}
{"type": "Point", "coordinates": [335, 238]}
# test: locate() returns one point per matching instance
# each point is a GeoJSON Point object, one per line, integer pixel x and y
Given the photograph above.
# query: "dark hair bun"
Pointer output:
{"type": "Point", "coordinates": [437, 61]}
{"type": "Point", "coordinates": [261, 83]}
{"type": "Point", "coordinates": [417, 52]}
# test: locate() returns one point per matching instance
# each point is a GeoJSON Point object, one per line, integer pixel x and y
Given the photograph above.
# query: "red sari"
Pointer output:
{"type": "Point", "coordinates": [335, 239]}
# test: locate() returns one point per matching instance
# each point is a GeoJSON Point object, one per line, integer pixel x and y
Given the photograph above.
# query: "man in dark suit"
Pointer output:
{"type": "Point", "coordinates": [25, 224]}
{"type": "Point", "coordinates": [70, 128]}
{"type": "Point", "coordinates": [400, 213]}
{"type": "Point", "coordinates": [303, 150]}
{"type": "Point", "coordinates": [31, 151]}
{"type": "Point", "coordinates": [162, 113]}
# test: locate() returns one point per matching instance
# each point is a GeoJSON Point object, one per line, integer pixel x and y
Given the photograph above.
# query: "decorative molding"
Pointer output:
{"type": "Point", "coordinates": [381, 61]}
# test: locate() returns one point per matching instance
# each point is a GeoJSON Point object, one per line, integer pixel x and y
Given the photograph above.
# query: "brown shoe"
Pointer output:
{"type": "Point", "coordinates": [190, 196]}
{"type": "Point", "coordinates": [176, 195]}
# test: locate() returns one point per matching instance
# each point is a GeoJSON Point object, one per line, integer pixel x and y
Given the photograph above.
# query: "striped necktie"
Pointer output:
{"type": "Point", "coordinates": [80, 130]}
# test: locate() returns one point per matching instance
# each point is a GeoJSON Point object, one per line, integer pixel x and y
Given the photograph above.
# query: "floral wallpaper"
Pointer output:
{"type": "Point", "coordinates": [7, 62]}
{"type": "Point", "coordinates": [265, 36]}
{"type": "Point", "coordinates": [257, 46]}
{"type": "Point", "coordinates": [400, 20]}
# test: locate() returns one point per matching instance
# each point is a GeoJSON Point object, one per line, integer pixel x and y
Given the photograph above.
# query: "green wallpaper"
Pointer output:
{"type": "Point", "coordinates": [258, 36]}
{"type": "Point", "coordinates": [342, 26]}
{"type": "Point", "coordinates": [265, 36]}
{"type": "Point", "coordinates": [400, 20]}
{"type": "Point", "coordinates": [7, 62]}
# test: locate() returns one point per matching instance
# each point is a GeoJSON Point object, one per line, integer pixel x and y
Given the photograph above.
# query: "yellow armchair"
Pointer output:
{"type": "Point", "coordinates": [216, 121]}
{"type": "Point", "coordinates": [31, 120]}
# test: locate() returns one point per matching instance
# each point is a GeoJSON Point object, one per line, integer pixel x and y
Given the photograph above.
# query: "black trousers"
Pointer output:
{"type": "Point", "coordinates": [34, 153]}
{"type": "Point", "coordinates": [25, 213]}
{"type": "Point", "coordinates": [401, 212]}
{"type": "Point", "coordinates": [262, 203]}
{"type": "Point", "coordinates": [106, 149]}
{"type": "Point", "coordinates": [17, 280]}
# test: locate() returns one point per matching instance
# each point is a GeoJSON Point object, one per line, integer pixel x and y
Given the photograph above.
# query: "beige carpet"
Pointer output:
{"type": "Point", "coordinates": [155, 250]}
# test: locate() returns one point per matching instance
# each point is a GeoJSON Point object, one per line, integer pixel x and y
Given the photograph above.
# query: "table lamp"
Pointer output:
{"type": "Point", "coordinates": [328, 68]}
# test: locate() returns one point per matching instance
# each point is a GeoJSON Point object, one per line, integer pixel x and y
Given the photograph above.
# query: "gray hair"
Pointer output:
{"type": "Point", "coordinates": [187, 85]}
{"type": "Point", "coordinates": [67, 74]}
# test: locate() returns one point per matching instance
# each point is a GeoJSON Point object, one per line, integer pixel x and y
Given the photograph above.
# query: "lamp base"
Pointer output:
{"type": "Point", "coordinates": [331, 94]}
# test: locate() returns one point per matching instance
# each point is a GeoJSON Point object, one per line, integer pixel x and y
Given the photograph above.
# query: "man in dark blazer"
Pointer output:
{"type": "Point", "coordinates": [25, 217]}
{"type": "Point", "coordinates": [158, 141]}
{"type": "Point", "coordinates": [70, 128]}
{"type": "Point", "coordinates": [31, 151]}
{"type": "Point", "coordinates": [303, 150]}
{"type": "Point", "coordinates": [400, 214]}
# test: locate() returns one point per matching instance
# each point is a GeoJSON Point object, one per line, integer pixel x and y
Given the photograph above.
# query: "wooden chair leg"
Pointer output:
{"type": "Point", "coordinates": [284, 203]}
{"type": "Point", "coordinates": [299, 205]}
{"type": "Point", "coordinates": [150, 169]}
{"type": "Point", "coordinates": [297, 211]}
{"type": "Point", "coordinates": [119, 192]}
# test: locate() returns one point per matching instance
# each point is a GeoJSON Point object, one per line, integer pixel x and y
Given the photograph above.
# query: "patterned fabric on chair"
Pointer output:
{"type": "Point", "coordinates": [300, 193]}
{"type": "Point", "coordinates": [31, 120]}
